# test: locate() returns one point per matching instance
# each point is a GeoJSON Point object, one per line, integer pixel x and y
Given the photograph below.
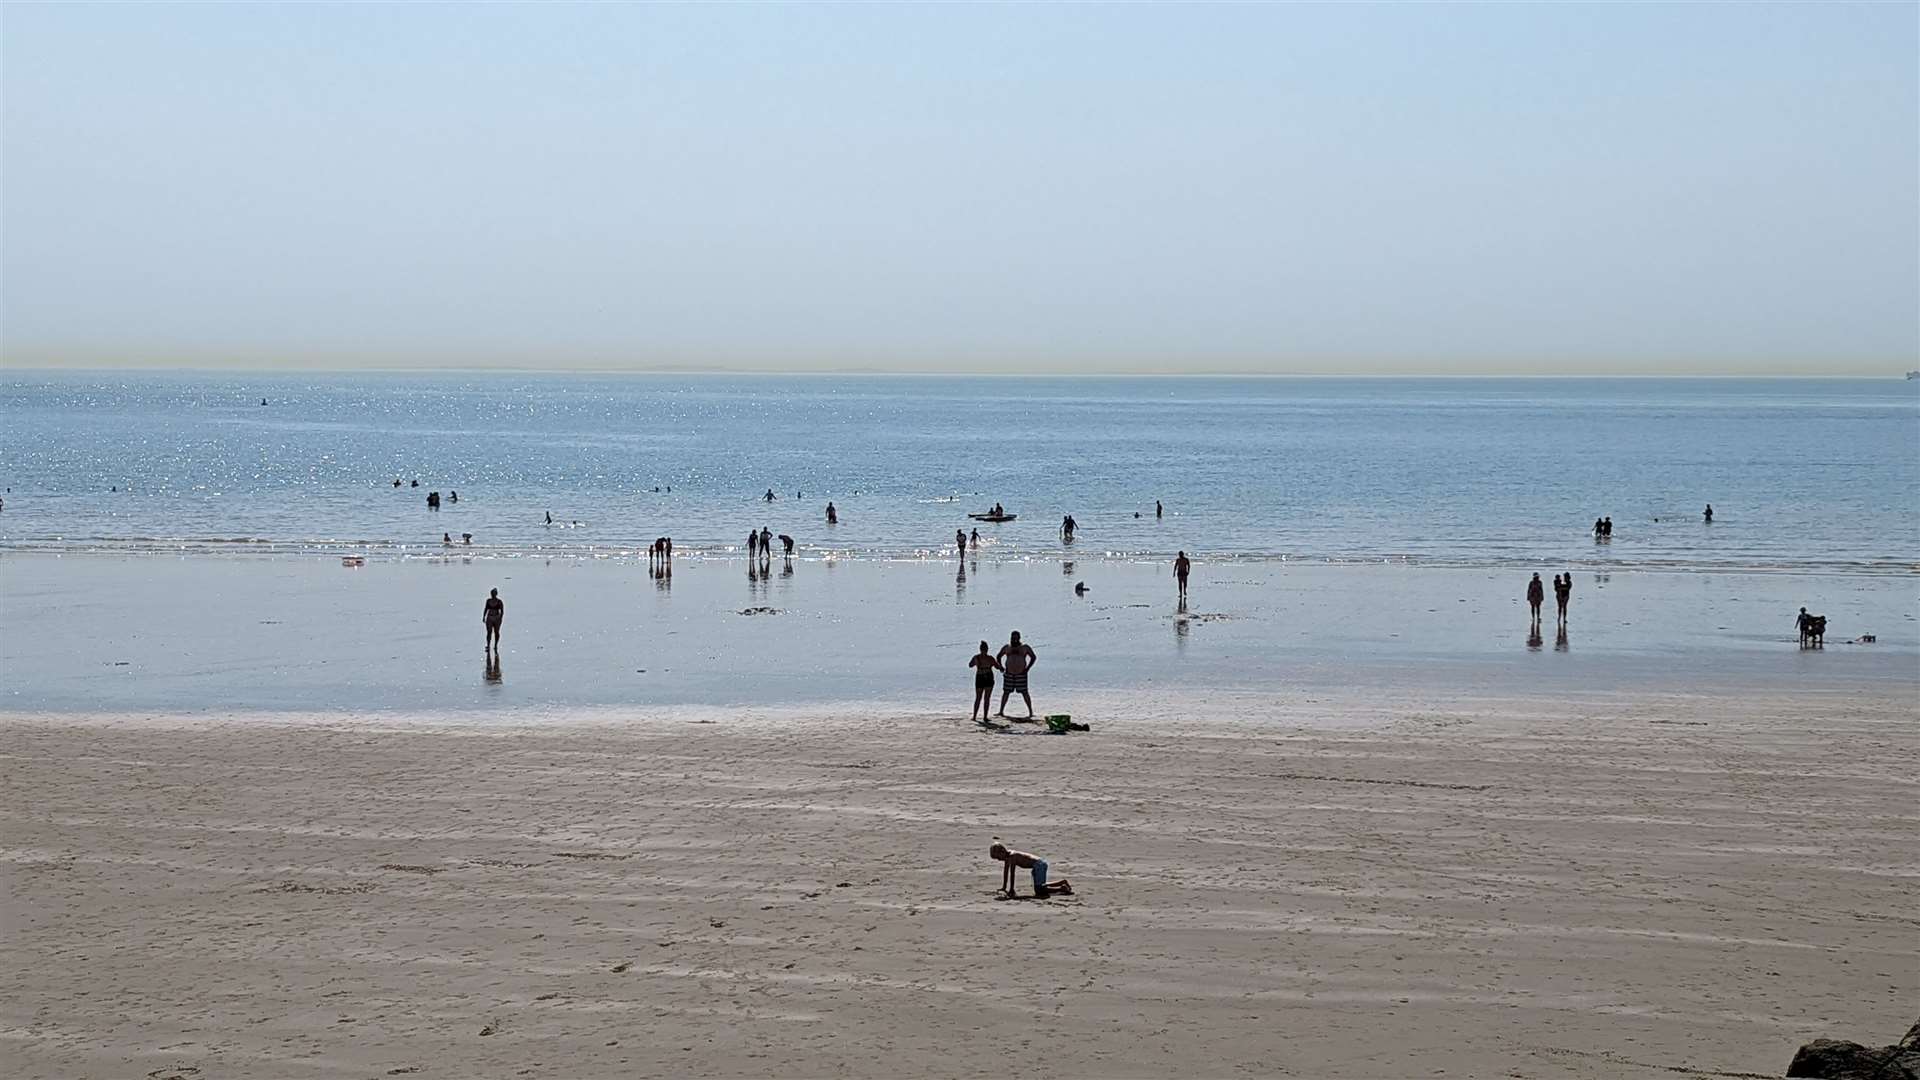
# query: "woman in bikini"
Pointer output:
{"type": "Point", "coordinates": [983, 665]}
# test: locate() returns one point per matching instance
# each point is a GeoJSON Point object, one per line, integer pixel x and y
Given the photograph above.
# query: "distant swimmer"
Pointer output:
{"type": "Point", "coordinates": [1182, 566]}
{"type": "Point", "coordinates": [1709, 514]}
{"type": "Point", "coordinates": [493, 614]}
{"type": "Point", "coordinates": [416, 483]}
{"type": "Point", "coordinates": [453, 496]}
{"type": "Point", "coordinates": [1079, 588]}
{"type": "Point", "coordinates": [433, 500]}
{"type": "Point", "coordinates": [263, 401]}
{"type": "Point", "coordinates": [446, 539]}
{"type": "Point", "coordinates": [396, 481]}
{"type": "Point", "coordinates": [467, 539]}
{"type": "Point", "coordinates": [1536, 594]}
{"type": "Point", "coordinates": [786, 545]}
{"type": "Point", "coordinates": [960, 541]}
{"type": "Point", "coordinates": [1158, 510]}
{"type": "Point", "coordinates": [769, 495]}
{"type": "Point", "coordinates": [833, 516]}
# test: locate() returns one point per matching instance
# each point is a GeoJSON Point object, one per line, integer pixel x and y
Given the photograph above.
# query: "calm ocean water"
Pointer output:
{"type": "Point", "coordinates": [1806, 475]}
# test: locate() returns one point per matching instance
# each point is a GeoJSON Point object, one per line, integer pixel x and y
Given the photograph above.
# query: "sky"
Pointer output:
{"type": "Point", "coordinates": [1553, 189]}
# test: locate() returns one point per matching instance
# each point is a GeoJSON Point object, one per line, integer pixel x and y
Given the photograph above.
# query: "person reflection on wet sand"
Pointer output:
{"type": "Point", "coordinates": [492, 673]}
{"type": "Point", "coordinates": [1560, 638]}
{"type": "Point", "coordinates": [1180, 623]}
{"type": "Point", "coordinates": [960, 581]}
{"type": "Point", "coordinates": [1534, 640]}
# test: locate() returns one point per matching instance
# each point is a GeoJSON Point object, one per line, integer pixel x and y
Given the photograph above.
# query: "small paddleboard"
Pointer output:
{"type": "Point", "coordinates": [995, 518]}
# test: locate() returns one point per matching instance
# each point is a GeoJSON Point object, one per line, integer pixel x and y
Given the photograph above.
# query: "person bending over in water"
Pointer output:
{"type": "Point", "coordinates": [786, 544]}
{"type": "Point", "coordinates": [1016, 659]}
{"type": "Point", "coordinates": [1009, 859]}
{"type": "Point", "coordinates": [493, 614]}
{"type": "Point", "coordinates": [983, 665]}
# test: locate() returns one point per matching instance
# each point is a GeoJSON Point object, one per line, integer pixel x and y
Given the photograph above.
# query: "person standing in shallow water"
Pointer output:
{"type": "Point", "coordinates": [1708, 516]}
{"type": "Point", "coordinates": [493, 614]}
{"type": "Point", "coordinates": [1181, 567]}
{"type": "Point", "coordinates": [1536, 595]}
{"type": "Point", "coordinates": [1563, 592]}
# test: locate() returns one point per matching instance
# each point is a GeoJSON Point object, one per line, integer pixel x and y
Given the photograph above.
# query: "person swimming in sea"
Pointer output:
{"type": "Point", "coordinates": [769, 495]}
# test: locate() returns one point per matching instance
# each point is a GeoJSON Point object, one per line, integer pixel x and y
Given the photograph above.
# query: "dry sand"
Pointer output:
{"type": "Point", "coordinates": [1468, 888]}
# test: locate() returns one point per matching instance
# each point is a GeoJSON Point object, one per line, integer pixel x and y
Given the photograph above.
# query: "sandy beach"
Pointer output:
{"type": "Point", "coordinates": [1595, 886]}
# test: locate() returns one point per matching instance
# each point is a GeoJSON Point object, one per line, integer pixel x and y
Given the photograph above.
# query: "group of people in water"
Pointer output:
{"type": "Point", "coordinates": [1562, 595]}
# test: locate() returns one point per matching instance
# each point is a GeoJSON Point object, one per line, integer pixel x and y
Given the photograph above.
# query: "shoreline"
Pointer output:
{"type": "Point", "coordinates": [283, 635]}
{"type": "Point", "coordinates": [1611, 887]}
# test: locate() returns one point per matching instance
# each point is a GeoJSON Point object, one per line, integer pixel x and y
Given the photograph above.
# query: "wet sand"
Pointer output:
{"type": "Point", "coordinates": [1389, 886]}
{"type": "Point", "coordinates": [110, 633]}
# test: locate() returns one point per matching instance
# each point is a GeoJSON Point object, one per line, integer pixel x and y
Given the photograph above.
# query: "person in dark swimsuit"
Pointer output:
{"type": "Point", "coordinates": [1182, 566]}
{"type": "Point", "coordinates": [493, 614]}
{"type": "Point", "coordinates": [1536, 594]}
{"type": "Point", "coordinates": [833, 516]}
{"type": "Point", "coordinates": [960, 541]}
{"type": "Point", "coordinates": [983, 665]}
{"type": "Point", "coordinates": [1563, 592]}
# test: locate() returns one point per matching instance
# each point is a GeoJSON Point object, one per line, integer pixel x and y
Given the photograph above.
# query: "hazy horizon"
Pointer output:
{"type": "Point", "coordinates": [1309, 190]}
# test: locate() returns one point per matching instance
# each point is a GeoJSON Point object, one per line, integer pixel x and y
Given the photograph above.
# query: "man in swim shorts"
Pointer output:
{"type": "Point", "coordinates": [1016, 659]}
{"type": "Point", "coordinates": [1009, 859]}
{"type": "Point", "coordinates": [493, 614]}
{"type": "Point", "coordinates": [1182, 566]}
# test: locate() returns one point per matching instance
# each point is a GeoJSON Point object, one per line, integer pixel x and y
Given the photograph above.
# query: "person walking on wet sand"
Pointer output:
{"type": "Point", "coordinates": [960, 541]}
{"type": "Point", "coordinates": [1016, 658]}
{"type": "Point", "coordinates": [983, 665]}
{"type": "Point", "coordinates": [1536, 594]}
{"type": "Point", "coordinates": [1563, 592]}
{"type": "Point", "coordinates": [1182, 566]}
{"type": "Point", "coordinates": [493, 614]}
{"type": "Point", "coordinates": [1009, 859]}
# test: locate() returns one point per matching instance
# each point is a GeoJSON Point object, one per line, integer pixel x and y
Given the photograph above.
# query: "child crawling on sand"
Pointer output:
{"type": "Point", "coordinates": [1010, 859]}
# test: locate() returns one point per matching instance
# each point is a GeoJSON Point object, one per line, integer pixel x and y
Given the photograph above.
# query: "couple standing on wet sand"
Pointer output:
{"type": "Point", "coordinates": [1016, 658]}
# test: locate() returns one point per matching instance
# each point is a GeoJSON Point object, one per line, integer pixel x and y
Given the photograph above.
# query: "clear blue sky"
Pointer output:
{"type": "Point", "coordinates": [1612, 188]}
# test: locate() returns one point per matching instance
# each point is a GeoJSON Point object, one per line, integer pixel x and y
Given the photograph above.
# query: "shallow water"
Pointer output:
{"type": "Point", "coordinates": [111, 633]}
{"type": "Point", "coordinates": [1804, 475]}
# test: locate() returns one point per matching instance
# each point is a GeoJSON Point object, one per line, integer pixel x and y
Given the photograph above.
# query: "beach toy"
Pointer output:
{"type": "Point", "coordinates": [1060, 723]}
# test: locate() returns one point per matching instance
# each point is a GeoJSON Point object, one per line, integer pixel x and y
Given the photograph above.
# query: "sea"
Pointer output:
{"type": "Point", "coordinates": [222, 543]}
{"type": "Point", "coordinates": [1804, 475]}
